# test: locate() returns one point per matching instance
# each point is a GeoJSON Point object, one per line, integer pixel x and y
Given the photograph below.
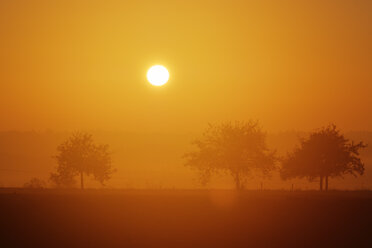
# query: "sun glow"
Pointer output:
{"type": "Point", "coordinates": [157, 75]}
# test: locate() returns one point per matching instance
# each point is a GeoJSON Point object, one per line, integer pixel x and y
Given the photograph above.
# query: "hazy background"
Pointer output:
{"type": "Point", "coordinates": [81, 65]}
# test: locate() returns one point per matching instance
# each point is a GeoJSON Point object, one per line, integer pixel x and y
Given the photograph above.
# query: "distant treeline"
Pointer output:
{"type": "Point", "coordinates": [147, 160]}
{"type": "Point", "coordinates": [240, 149]}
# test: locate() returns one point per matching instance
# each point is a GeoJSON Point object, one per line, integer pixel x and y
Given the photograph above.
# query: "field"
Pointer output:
{"type": "Point", "coordinates": [184, 218]}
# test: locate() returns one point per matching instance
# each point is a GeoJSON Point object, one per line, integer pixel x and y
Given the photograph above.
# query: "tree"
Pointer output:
{"type": "Point", "coordinates": [79, 155]}
{"type": "Point", "coordinates": [325, 153]}
{"type": "Point", "coordinates": [237, 149]}
{"type": "Point", "coordinates": [35, 183]}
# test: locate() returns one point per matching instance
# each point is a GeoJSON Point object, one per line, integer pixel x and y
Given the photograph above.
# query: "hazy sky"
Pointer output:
{"type": "Point", "coordinates": [68, 65]}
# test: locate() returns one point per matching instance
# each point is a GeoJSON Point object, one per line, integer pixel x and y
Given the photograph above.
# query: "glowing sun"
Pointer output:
{"type": "Point", "coordinates": [157, 75]}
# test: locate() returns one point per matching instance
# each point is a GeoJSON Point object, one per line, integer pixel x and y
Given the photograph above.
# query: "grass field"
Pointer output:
{"type": "Point", "coordinates": [184, 218]}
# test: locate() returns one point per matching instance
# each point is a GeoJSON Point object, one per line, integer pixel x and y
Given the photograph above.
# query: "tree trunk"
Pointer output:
{"type": "Point", "coordinates": [82, 180]}
{"type": "Point", "coordinates": [326, 183]}
{"type": "Point", "coordinates": [321, 183]}
{"type": "Point", "coordinates": [237, 181]}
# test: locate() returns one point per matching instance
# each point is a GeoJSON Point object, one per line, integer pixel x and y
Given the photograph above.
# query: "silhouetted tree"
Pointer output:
{"type": "Point", "coordinates": [237, 149]}
{"type": "Point", "coordinates": [79, 155]}
{"type": "Point", "coordinates": [325, 153]}
{"type": "Point", "coordinates": [35, 183]}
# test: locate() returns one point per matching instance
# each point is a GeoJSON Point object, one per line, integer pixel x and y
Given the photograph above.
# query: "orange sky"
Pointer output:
{"type": "Point", "coordinates": [67, 65]}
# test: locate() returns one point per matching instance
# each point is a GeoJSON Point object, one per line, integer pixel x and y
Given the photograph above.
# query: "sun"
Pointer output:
{"type": "Point", "coordinates": [157, 75]}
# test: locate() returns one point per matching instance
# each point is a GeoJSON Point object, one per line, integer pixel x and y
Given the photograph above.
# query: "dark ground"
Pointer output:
{"type": "Point", "coordinates": [181, 218]}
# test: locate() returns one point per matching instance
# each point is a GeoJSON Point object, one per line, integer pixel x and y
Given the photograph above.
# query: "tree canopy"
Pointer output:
{"type": "Point", "coordinates": [80, 155]}
{"type": "Point", "coordinates": [325, 153]}
{"type": "Point", "coordinates": [237, 149]}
